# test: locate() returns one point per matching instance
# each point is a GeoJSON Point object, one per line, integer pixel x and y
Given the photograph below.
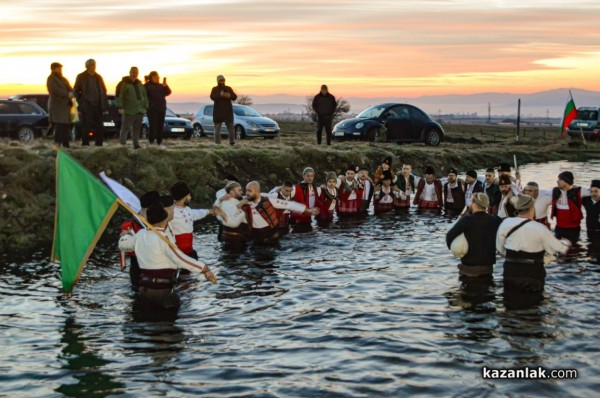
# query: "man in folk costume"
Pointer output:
{"type": "Point", "coordinates": [367, 192]}
{"type": "Point", "coordinates": [386, 194]}
{"type": "Point", "coordinates": [232, 218]}
{"type": "Point", "coordinates": [386, 165]}
{"type": "Point", "coordinates": [524, 242]}
{"type": "Point", "coordinates": [492, 190]}
{"type": "Point", "coordinates": [429, 191]}
{"type": "Point", "coordinates": [473, 186]}
{"type": "Point", "coordinates": [261, 213]}
{"type": "Point", "coordinates": [159, 262]}
{"type": "Point", "coordinates": [506, 207]}
{"type": "Point", "coordinates": [184, 218]}
{"type": "Point", "coordinates": [566, 207]}
{"type": "Point", "coordinates": [516, 186]}
{"type": "Point", "coordinates": [592, 214]}
{"type": "Point", "coordinates": [329, 200]}
{"type": "Point", "coordinates": [454, 192]}
{"type": "Point", "coordinates": [133, 225]}
{"type": "Point", "coordinates": [307, 193]}
{"type": "Point", "coordinates": [350, 193]}
{"type": "Point", "coordinates": [283, 192]}
{"type": "Point", "coordinates": [406, 182]}
{"type": "Point", "coordinates": [543, 201]}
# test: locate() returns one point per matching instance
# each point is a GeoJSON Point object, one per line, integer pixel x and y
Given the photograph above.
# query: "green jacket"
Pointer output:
{"type": "Point", "coordinates": [132, 97]}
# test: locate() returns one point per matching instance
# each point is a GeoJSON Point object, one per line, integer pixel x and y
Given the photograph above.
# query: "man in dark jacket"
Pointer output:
{"type": "Point", "coordinates": [480, 232]}
{"type": "Point", "coordinates": [157, 97]}
{"type": "Point", "coordinates": [324, 105]}
{"type": "Point", "coordinates": [222, 96]}
{"type": "Point", "coordinates": [59, 105]}
{"type": "Point", "coordinates": [90, 92]}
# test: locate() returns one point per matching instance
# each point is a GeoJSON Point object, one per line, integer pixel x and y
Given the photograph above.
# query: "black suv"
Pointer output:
{"type": "Point", "coordinates": [22, 120]}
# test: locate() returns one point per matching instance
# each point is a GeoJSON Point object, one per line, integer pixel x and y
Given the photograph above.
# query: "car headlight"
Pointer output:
{"type": "Point", "coordinates": [359, 125]}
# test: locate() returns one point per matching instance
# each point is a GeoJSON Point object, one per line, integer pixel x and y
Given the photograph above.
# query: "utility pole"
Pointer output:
{"type": "Point", "coordinates": [518, 130]}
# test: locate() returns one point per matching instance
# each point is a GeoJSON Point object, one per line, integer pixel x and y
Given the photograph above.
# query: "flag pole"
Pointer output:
{"type": "Point", "coordinates": [208, 275]}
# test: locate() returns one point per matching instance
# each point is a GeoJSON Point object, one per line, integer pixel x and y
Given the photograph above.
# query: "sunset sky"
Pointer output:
{"type": "Point", "coordinates": [376, 48]}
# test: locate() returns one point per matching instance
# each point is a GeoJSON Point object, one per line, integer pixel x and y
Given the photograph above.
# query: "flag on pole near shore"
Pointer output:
{"type": "Point", "coordinates": [569, 115]}
{"type": "Point", "coordinates": [83, 208]}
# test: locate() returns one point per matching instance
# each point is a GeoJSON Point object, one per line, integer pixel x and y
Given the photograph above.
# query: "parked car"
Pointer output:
{"type": "Point", "coordinates": [247, 122]}
{"type": "Point", "coordinates": [588, 122]}
{"type": "Point", "coordinates": [391, 123]}
{"type": "Point", "coordinates": [22, 120]}
{"type": "Point", "coordinates": [175, 126]}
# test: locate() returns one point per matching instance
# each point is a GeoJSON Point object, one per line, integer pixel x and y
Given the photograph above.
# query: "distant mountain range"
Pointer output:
{"type": "Point", "coordinates": [536, 104]}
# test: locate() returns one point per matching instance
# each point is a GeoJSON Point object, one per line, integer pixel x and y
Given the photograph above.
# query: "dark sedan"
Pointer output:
{"type": "Point", "coordinates": [22, 120]}
{"type": "Point", "coordinates": [391, 123]}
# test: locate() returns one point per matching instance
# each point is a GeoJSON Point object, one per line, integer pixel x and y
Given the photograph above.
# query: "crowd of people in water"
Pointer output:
{"type": "Point", "coordinates": [496, 214]}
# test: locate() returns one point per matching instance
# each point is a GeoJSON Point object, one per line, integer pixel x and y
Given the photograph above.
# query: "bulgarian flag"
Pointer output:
{"type": "Point", "coordinates": [84, 205]}
{"type": "Point", "coordinates": [569, 115]}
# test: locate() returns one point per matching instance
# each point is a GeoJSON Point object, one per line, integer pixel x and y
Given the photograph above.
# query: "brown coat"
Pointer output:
{"type": "Point", "coordinates": [59, 104]}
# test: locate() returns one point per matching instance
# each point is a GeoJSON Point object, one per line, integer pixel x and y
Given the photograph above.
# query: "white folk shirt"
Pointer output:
{"type": "Point", "coordinates": [183, 219]}
{"type": "Point", "coordinates": [543, 203]}
{"type": "Point", "coordinates": [429, 193]}
{"type": "Point", "coordinates": [259, 222]}
{"type": "Point", "coordinates": [154, 253]}
{"type": "Point", "coordinates": [338, 184]}
{"type": "Point", "coordinates": [533, 237]}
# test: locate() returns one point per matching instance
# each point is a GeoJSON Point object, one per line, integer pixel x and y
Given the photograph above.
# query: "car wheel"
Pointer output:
{"type": "Point", "coordinates": [25, 133]}
{"type": "Point", "coordinates": [240, 133]}
{"type": "Point", "coordinates": [375, 134]}
{"type": "Point", "coordinates": [433, 138]}
{"type": "Point", "coordinates": [198, 132]}
{"type": "Point", "coordinates": [144, 133]}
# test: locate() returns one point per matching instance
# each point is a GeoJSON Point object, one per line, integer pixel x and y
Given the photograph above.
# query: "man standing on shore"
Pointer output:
{"type": "Point", "coordinates": [132, 102]}
{"type": "Point", "coordinates": [324, 105]}
{"type": "Point", "coordinates": [223, 96]}
{"type": "Point", "coordinates": [92, 103]}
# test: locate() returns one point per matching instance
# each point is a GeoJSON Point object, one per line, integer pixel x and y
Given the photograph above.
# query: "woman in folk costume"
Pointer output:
{"type": "Point", "coordinates": [329, 199]}
{"type": "Point", "coordinates": [350, 193]}
{"type": "Point", "coordinates": [386, 195]}
{"type": "Point", "coordinates": [429, 191]}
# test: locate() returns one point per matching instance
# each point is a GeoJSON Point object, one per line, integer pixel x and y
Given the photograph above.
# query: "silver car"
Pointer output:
{"type": "Point", "coordinates": [247, 122]}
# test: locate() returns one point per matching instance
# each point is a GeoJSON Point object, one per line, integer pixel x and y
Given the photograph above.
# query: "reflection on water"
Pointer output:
{"type": "Point", "coordinates": [373, 307]}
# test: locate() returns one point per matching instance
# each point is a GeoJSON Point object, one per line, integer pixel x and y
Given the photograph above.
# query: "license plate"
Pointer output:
{"type": "Point", "coordinates": [177, 130]}
{"type": "Point", "coordinates": [339, 134]}
{"type": "Point", "coordinates": [109, 124]}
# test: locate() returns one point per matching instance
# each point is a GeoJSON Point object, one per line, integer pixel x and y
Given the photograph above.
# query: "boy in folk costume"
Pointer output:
{"type": "Point", "coordinates": [386, 194]}
{"type": "Point", "coordinates": [350, 193]}
{"type": "Point", "coordinates": [329, 199]}
{"type": "Point", "coordinates": [405, 181]}
{"type": "Point", "coordinates": [429, 191]}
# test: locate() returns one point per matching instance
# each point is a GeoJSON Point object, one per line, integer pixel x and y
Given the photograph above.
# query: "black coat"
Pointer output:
{"type": "Point", "coordinates": [223, 110]}
{"type": "Point", "coordinates": [324, 105]}
{"type": "Point", "coordinates": [480, 231]}
{"type": "Point", "coordinates": [157, 96]}
{"type": "Point", "coordinates": [90, 89]}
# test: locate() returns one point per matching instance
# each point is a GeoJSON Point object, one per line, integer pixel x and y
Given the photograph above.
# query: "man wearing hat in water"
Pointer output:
{"type": "Point", "coordinates": [223, 96]}
{"type": "Point", "coordinates": [480, 230]}
{"type": "Point", "coordinates": [159, 261]}
{"type": "Point", "coordinates": [566, 207]}
{"type": "Point", "coordinates": [350, 193]}
{"type": "Point", "coordinates": [473, 186]}
{"type": "Point", "coordinates": [506, 208]}
{"type": "Point", "coordinates": [429, 191]}
{"type": "Point", "coordinates": [454, 193]}
{"type": "Point", "coordinates": [524, 242]}
{"type": "Point", "coordinates": [307, 193]}
{"type": "Point", "coordinates": [592, 214]}
{"type": "Point", "coordinates": [324, 105]}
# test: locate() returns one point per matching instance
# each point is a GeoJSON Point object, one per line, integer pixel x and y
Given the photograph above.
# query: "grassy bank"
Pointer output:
{"type": "Point", "coordinates": [27, 171]}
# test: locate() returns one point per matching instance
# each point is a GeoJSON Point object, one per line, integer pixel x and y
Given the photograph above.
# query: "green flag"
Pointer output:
{"type": "Point", "coordinates": [83, 208]}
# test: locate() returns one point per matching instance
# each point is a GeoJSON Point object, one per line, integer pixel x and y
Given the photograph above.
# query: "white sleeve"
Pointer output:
{"type": "Point", "coordinates": [235, 216]}
{"type": "Point", "coordinates": [288, 205]}
{"type": "Point", "coordinates": [183, 261]}
{"type": "Point", "coordinates": [198, 214]}
{"type": "Point", "coordinates": [127, 242]}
